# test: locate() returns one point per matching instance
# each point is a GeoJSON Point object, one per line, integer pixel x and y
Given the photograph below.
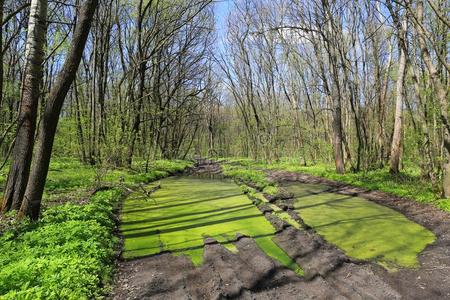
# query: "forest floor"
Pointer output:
{"type": "Point", "coordinates": [246, 269]}
{"type": "Point", "coordinates": [71, 251]}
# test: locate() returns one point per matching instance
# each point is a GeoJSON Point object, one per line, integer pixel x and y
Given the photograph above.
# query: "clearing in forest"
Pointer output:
{"type": "Point", "coordinates": [184, 211]}
{"type": "Point", "coordinates": [363, 229]}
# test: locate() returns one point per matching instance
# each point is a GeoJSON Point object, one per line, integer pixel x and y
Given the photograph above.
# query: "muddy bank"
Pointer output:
{"type": "Point", "coordinates": [329, 273]}
{"type": "Point", "coordinates": [250, 274]}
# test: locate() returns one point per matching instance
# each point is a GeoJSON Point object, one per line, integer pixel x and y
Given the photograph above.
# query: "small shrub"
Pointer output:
{"type": "Point", "coordinates": [444, 205]}
{"type": "Point", "coordinates": [270, 190]}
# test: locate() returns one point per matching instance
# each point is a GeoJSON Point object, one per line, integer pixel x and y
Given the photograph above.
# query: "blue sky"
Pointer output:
{"type": "Point", "coordinates": [221, 9]}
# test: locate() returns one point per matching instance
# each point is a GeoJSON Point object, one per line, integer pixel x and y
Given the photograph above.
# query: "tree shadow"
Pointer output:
{"type": "Point", "coordinates": [214, 213]}
{"type": "Point", "coordinates": [180, 204]}
{"type": "Point", "coordinates": [187, 227]}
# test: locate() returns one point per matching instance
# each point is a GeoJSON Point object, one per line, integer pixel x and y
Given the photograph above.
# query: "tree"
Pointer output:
{"type": "Point", "coordinates": [396, 145]}
{"type": "Point", "coordinates": [1, 53]}
{"type": "Point", "coordinates": [441, 90]}
{"type": "Point", "coordinates": [24, 141]}
{"type": "Point", "coordinates": [35, 188]}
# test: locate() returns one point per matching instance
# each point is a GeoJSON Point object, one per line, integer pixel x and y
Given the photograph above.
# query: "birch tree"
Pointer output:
{"type": "Point", "coordinates": [26, 127]}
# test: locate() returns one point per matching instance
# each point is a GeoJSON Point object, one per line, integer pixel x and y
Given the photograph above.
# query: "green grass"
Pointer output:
{"type": "Point", "coordinates": [184, 211]}
{"type": "Point", "coordinates": [250, 176]}
{"type": "Point", "coordinates": [66, 255]}
{"type": "Point", "coordinates": [363, 229]}
{"type": "Point", "coordinates": [68, 178]}
{"type": "Point", "coordinates": [408, 184]}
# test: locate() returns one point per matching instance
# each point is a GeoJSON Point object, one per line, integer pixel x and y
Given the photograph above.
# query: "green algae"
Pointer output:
{"type": "Point", "coordinates": [361, 228]}
{"type": "Point", "coordinates": [186, 210]}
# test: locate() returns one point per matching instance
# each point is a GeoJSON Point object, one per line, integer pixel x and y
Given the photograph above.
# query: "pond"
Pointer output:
{"type": "Point", "coordinates": [361, 228]}
{"type": "Point", "coordinates": [179, 215]}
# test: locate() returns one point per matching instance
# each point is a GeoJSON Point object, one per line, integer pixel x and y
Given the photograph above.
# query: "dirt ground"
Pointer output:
{"type": "Point", "coordinates": [329, 273]}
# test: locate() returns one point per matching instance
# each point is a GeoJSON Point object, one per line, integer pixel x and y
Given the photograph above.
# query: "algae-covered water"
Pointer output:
{"type": "Point", "coordinates": [361, 228]}
{"type": "Point", "coordinates": [186, 210]}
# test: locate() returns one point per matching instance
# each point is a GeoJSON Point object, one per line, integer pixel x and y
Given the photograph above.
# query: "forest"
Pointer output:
{"type": "Point", "coordinates": [216, 149]}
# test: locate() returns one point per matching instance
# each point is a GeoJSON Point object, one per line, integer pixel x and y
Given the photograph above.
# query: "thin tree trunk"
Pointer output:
{"type": "Point", "coordinates": [338, 138]}
{"type": "Point", "coordinates": [35, 188]}
{"type": "Point", "coordinates": [142, 68]}
{"type": "Point", "coordinates": [80, 134]}
{"type": "Point", "coordinates": [396, 146]}
{"type": "Point", "coordinates": [382, 88]}
{"type": "Point", "coordinates": [1, 53]}
{"type": "Point", "coordinates": [23, 146]}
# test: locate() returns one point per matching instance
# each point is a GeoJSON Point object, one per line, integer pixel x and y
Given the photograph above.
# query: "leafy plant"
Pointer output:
{"type": "Point", "coordinates": [68, 254]}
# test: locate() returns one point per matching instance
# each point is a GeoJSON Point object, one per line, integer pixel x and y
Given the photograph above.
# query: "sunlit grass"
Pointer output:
{"type": "Point", "coordinates": [68, 254]}
{"type": "Point", "coordinates": [250, 176]}
{"type": "Point", "coordinates": [68, 177]}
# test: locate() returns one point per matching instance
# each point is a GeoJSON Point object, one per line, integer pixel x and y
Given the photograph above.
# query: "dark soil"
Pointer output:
{"type": "Point", "coordinates": [329, 273]}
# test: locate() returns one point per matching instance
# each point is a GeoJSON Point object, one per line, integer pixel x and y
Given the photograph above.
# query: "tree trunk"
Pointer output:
{"type": "Point", "coordinates": [396, 146]}
{"type": "Point", "coordinates": [24, 142]}
{"type": "Point", "coordinates": [142, 68]}
{"type": "Point", "coordinates": [446, 182]}
{"type": "Point", "coordinates": [1, 54]}
{"type": "Point", "coordinates": [336, 99]}
{"type": "Point", "coordinates": [441, 92]}
{"type": "Point", "coordinates": [33, 195]}
{"type": "Point", "coordinates": [382, 88]}
{"type": "Point", "coordinates": [337, 137]}
{"type": "Point", "coordinates": [80, 134]}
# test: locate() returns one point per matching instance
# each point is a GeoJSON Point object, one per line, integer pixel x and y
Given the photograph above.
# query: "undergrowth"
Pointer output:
{"type": "Point", "coordinates": [67, 254]}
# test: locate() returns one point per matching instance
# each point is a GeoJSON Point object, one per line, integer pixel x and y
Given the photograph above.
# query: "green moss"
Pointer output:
{"type": "Point", "coordinates": [277, 211]}
{"type": "Point", "coordinates": [444, 204]}
{"type": "Point", "coordinates": [363, 229]}
{"type": "Point", "coordinates": [247, 189]}
{"type": "Point", "coordinates": [186, 210]}
{"type": "Point", "coordinates": [271, 249]}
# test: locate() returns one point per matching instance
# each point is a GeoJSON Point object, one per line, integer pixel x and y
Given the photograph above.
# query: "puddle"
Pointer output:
{"type": "Point", "coordinates": [361, 228]}
{"type": "Point", "coordinates": [184, 210]}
